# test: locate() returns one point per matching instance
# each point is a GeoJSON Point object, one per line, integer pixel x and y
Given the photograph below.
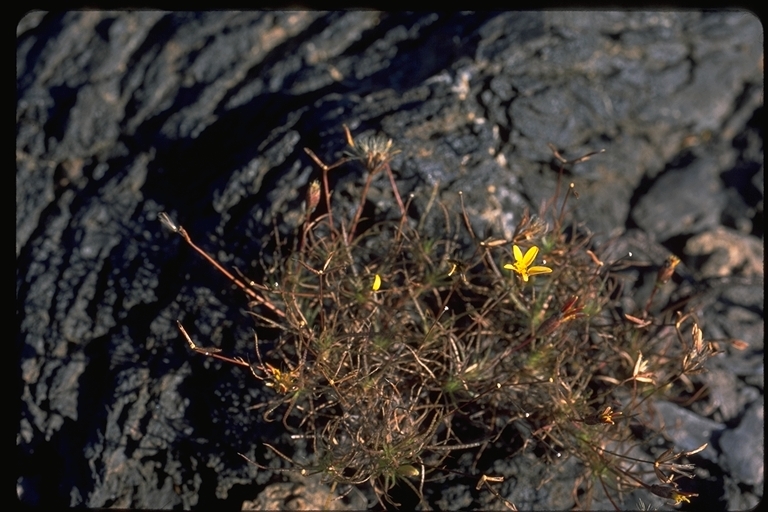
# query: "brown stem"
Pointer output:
{"type": "Point", "coordinates": [394, 189]}
{"type": "Point", "coordinates": [359, 211]}
{"type": "Point", "coordinates": [248, 291]}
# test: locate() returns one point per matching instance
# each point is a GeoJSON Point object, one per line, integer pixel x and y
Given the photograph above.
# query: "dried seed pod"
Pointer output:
{"type": "Point", "coordinates": [313, 196]}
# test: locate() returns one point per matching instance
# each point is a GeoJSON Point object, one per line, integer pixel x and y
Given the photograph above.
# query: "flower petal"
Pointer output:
{"type": "Point", "coordinates": [539, 270]}
{"type": "Point", "coordinates": [518, 253]}
{"type": "Point", "coordinates": [530, 255]}
{"type": "Point", "coordinates": [510, 266]}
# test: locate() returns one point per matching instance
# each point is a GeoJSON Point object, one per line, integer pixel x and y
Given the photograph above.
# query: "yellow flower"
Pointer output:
{"type": "Point", "coordinates": [376, 283]}
{"type": "Point", "coordinates": [670, 492]}
{"type": "Point", "coordinates": [283, 381]}
{"type": "Point", "coordinates": [522, 264]}
{"type": "Point", "coordinates": [608, 415]}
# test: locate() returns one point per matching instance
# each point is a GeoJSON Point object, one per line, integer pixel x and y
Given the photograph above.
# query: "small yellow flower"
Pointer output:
{"type": "Point", "coordinates": [522, 264]}
{"type": "Point", "coordinates": [376, 283]}
{"type": "Point", "coordinates": [680, 497]}
{"type": "Point", "coordinates": [606, 416]}
{"type": "Point", "coordinates": [672, 493]}
{"type": "Point", "coordinates": [283, 381]}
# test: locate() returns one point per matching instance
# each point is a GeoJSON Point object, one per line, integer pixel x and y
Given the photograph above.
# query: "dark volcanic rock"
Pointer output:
{"type": "Point", "coordinates": [744, 457]}
{"type": "Point", "coordinates": [204, 115]}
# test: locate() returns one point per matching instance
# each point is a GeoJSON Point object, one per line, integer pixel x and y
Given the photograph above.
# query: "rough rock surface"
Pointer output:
{"type": "Point", "coordinates": [122, 115]}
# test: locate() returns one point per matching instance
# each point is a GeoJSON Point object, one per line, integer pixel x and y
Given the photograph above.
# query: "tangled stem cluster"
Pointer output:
{"type": "Point", "coordinates": [396, 348]}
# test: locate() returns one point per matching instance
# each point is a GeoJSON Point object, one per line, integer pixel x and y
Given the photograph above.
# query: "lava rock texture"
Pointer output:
{"type": "Point", "coordinates": [204, 115]}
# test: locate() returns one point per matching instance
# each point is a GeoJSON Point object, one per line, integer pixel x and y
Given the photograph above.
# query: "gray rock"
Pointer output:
{"type": "Point", "coordinates": [744, 447]}
{"type": "Point", "coordinates": [726, 252]}
{"type": "Point", "coordinates": [682, 201]}
{"type": "Point", "coordinates": [688, 430]}
{"type": "Point", "coordinates": [122, 115]}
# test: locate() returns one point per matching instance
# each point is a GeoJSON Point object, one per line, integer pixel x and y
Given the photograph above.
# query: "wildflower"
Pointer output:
{"type": "Point", "coordinates": [680, 497]}
{"type": "Point", "coordinates": [606, 416]}
{"type": "Point", "coordinates": [522, 264]}
{"type": "Point", "coordinates": [672, 493]}
{"type": "Point", "coordinates": [376, 283]}
{"type": "Point", "coordinates": [282, 381]}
